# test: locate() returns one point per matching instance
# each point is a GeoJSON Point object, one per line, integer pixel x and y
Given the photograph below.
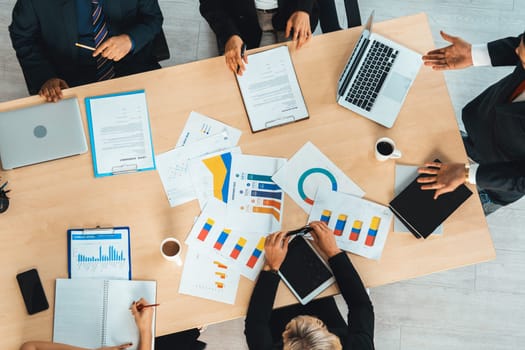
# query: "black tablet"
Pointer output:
{"type": "Point", "coordinates": [304, 271]}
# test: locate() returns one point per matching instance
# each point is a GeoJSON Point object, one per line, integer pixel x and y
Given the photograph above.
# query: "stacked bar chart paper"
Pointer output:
{"type": "Point", "coordinates": [242, 250]}
{"type": "Point", "coordinates": [360, 226]}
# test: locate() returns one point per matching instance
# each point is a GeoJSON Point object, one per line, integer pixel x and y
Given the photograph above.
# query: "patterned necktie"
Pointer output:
{"type": "Point", "coordinates": [105, 68]}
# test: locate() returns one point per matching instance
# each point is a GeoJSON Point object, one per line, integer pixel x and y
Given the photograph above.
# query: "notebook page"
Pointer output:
{"type": "Point", "coordinates": [79, 312]}
{"type": "Point", "coordinates": [120, 324]}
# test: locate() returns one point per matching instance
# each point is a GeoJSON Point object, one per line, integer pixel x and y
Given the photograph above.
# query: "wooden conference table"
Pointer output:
{"type": "Point", "coordinates": [49, 198]}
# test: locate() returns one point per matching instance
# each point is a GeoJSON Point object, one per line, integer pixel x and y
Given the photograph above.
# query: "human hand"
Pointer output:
{"type": "Point", "coordinates": [143, 318]}
{"type": "Point", "coordinates": [455, 56]}
{"type": "Point", "coordinates": [232, 54]}
{"type": "Point", "coordinates": [114, 48]}
{"type": "Point", "coordinates": [116, 347]}
{"type": "Point", "coordinates": [275, 249]}
{"type": "Point", "coordinates": [324, 238]}
{"type": "Point", "coordinates": [299, 21]}
{"type": "Point", "coordinates": [52, 89]}
{"type": "Point", "coordinates": [447, 177]}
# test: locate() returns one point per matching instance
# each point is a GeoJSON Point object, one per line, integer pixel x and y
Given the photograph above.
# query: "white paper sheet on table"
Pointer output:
{"type": "Point", "coordinates": [120, 133]}
{"type": "Point", "coordinates": [308, 170]}
{"type": "Point", "coordinates": [173, 166]}
{"type": "Point", "coordinates": [199, 126]}
{"type": "Point", "coordinates": [243, 250]}
{"type": "Point", "coordinates": [210, 175]}
{"type": "Point", "coordinates": [270, 89]}
{"type": "Point", "coordinates": [206, 275]}
{"type": "Point", "coordinates": [360, 226]}
{"type": "Point", "coordinates": [254, 199]}
{"type": "Point", "coordinates": [405, 174]}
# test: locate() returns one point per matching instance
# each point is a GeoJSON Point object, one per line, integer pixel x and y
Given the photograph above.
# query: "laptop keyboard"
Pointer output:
{"type": "Point", "coordinates": [371, 75]}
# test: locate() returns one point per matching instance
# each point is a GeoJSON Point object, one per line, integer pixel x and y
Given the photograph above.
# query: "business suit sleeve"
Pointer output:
{"type": "Point", "coordinates": [502, 176]}
{"type": "Point", "coordinates": [502, 51]}
{"type": "Point", "coordinates": [26, 40]}
{"type": "Point", "coordinates": [305, 5]}
{"type": "Point", "coordinates": [149, 24]}
{"type": "Point", "coordinates": [360, 309]}
{"type": "Point", "coordinates": [257, 324]}
{"type": "Point", "coordinates": [219, 19]}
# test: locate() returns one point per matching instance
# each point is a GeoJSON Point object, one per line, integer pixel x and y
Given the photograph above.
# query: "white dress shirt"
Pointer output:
{"type": "Point", "coordinates": [266, 4]}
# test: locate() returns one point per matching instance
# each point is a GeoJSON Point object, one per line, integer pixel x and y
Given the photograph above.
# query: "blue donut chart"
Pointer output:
{"type": "Point", "coordinates": [309, 172]}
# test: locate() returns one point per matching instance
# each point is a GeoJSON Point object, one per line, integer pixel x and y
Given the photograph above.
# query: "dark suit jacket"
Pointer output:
{"type": "Point", "coordinates": [239, 17]}
{"type": "Point", "coordinates": [44, 34]}
{"type": "Point", "coordinates": [357, 334]}
{"type": "Point", "coordinates": [497, 129]}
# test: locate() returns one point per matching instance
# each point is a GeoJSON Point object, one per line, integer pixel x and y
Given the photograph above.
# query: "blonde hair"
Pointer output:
{"type": "Point", "coordinates": [309, 333]}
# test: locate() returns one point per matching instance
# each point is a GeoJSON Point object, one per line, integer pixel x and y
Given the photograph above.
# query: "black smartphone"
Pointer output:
{"type": "Point", "coordinates": [32, 291]}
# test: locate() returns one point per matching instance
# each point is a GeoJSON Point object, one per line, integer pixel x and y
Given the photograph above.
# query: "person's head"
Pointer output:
{"type": "Point", "coordinates": [309, 333]}
{"type": "Point", "coordinates": [520, 50]}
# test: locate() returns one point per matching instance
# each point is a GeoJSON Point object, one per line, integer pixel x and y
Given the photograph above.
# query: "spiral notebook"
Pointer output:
{"type": "Point", "coordinates": [92, 313]}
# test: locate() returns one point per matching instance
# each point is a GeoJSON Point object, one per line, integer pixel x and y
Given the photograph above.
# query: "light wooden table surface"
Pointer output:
{"type": "Point", "coordinates": [49, 198]}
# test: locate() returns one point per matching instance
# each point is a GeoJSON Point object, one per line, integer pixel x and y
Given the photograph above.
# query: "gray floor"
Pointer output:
{"type": "Point", "coordinates": [479, 307]}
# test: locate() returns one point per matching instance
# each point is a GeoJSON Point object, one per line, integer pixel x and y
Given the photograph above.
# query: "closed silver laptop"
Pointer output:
{"type": "Point", "coordinates": [377, 77]}
{"type": "Point", "coordinates": [40, 133]}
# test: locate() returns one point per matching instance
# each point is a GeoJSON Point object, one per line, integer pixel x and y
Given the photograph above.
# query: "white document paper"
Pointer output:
{"type": "Point", "coordinates": [405, 174]}
{"type": "Point", "coordinates": [360, 226]}
{"type": "Point", "coordinates": [210, 175]}
{"type": "Point", "coordinates": [207, 276]}
{"type": "Point", "coordinates": [243, 250]}
{"type": "Point", "coordinates": [270, 89]}
{"type": "Point", "coordinates": [173, 166]}
{"type": "Point", "coordinates": [199, 127]}
{"type": "Point", "coordinates": [120, 133]}
{"type": "Point", "coordinates": [254, 199]}
{"type": "Point", "coordinates": [308, 170]}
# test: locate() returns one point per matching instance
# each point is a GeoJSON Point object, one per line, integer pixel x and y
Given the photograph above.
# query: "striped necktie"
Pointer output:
{"type": "Point", "coordinates": [105, 68]}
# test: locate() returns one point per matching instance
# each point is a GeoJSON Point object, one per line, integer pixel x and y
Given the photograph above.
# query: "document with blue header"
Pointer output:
{"type": "Point", "coordinates": [120, 133]}
{"type": "Point", "coordinates": [101, 253]}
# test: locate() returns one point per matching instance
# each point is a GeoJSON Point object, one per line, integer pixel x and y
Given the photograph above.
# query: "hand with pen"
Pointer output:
{"type": "Point", "coordinates": [143, 313]}
{"type": "Point", "coordinates": [234, 50]}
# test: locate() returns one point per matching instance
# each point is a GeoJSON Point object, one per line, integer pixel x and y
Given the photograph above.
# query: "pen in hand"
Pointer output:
{"type": "Point", "coordinates": [140, 307]}
{"type": "Point", "coordinates": [243, 51]}
{"type": "Point", "coordinates": [85, 47]}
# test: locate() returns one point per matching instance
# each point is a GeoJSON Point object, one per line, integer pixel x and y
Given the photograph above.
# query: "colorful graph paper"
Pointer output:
{"type": "Point", "coordinates": [222, 239]}
{"type": "Point", "coordinates": [206, 229]}
{"type": "Point", "coordinates": [372, 231]}
{"type": "Point", "coordinates": [256, 253]}
{"type": "Point", "coordinates": [325, 217]}
{"type": "Point", "coordinates": [238, 248]}
{"type": "Point", "coordinates": [356, 230]}
{"type": "Point", "coordinates": [340, 224]}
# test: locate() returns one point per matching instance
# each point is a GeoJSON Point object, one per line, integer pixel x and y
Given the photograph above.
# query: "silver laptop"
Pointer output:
{"type": "Point", "coordinates": [377, 77]}
{"type": "Point", "coordinates": [40, 133]}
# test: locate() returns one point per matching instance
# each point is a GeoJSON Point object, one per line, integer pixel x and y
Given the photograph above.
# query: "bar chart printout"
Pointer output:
{"type": "Point", "coordinates": [359, 225]}
{"type": "Point", "coordinates": [99, 253]}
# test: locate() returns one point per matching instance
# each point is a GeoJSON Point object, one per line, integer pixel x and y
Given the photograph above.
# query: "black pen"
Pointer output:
{"type": "Point", "coordinates": [243, 51]}
{"type": "Point", "coordinates": [301, 231]}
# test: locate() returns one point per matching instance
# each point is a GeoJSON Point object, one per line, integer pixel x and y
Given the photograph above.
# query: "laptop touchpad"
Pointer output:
{"type": "Point", "coordinates": [396, 87]}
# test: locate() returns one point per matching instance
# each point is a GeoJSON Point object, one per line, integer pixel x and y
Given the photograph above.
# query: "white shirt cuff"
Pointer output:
{"type": "Point", "coordinates": [480, 55]}
{"type": "Point", "coordinates": [472, 171]}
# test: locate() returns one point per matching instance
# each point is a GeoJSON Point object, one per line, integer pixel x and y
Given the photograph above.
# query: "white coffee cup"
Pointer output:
{"type": "Point", "coordinates": [170, 248]}
{"type": "Point", "coordinates": [385, 149]}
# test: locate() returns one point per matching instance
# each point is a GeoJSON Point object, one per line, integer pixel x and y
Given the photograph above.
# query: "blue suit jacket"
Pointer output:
{"type": "Point", "coordinates": [44, 34]}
